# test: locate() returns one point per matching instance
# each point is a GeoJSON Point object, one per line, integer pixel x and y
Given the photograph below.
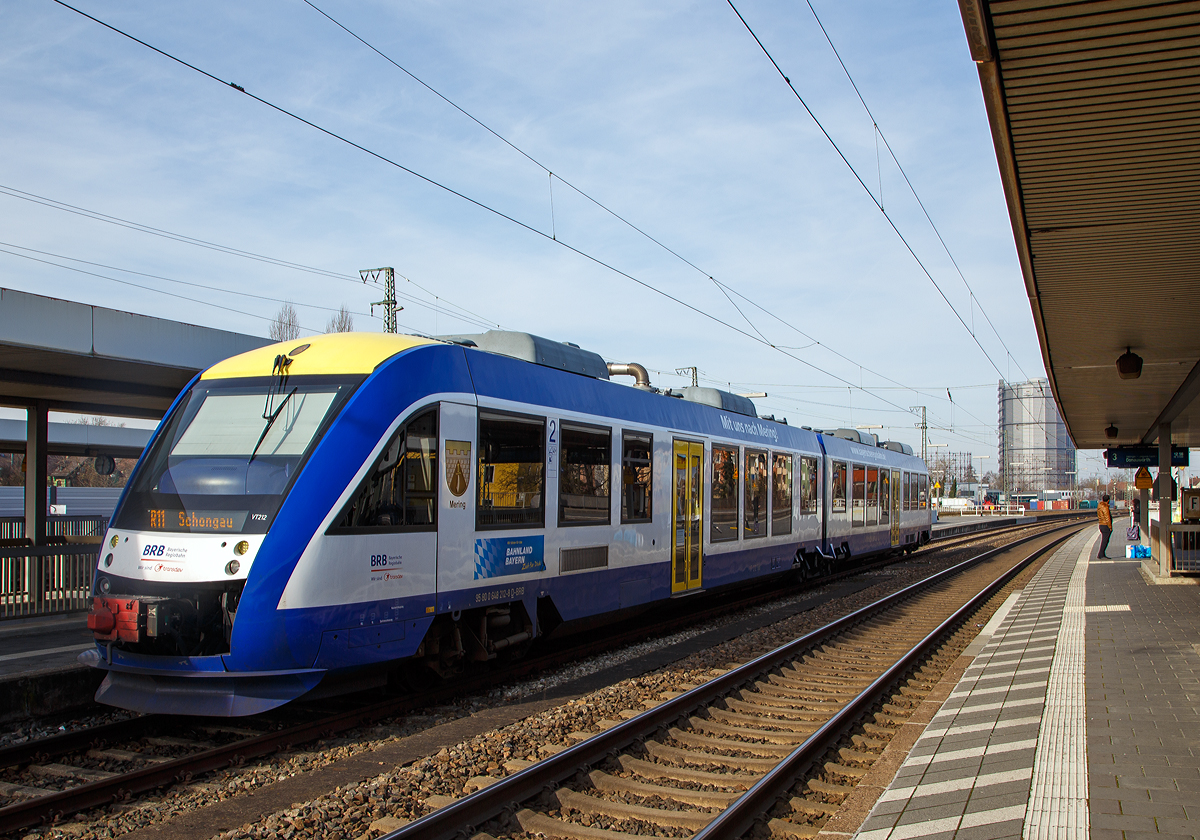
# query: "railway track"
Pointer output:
{"type": "Point", "coordinates": [780, 740]}
{"type": "Point", "coordinates": [50, 778]}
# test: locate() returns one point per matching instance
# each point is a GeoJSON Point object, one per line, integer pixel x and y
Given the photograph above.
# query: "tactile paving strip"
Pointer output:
{"type": "Point", "coordinates": [980, 767]}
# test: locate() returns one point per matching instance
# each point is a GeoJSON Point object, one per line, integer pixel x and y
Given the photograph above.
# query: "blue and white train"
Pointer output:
{"type": "Point", "coordinates": [314, 514]}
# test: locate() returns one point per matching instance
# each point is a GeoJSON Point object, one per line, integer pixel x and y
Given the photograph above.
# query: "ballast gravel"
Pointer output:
{"type": "Point", "coordinates": [372, 807]}
{"type": "Point", "coordinates": [34, 730]}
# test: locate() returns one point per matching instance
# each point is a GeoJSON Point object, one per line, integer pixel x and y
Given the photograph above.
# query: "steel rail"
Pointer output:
{"type": "Point", "coordinates": [463, 817]}
{"type": "Point", "coordinates": [751, 806]}
{"type": "Point", "coordinates": [52, 806]}
{"type": "Point", "coordinates": [79, 739]}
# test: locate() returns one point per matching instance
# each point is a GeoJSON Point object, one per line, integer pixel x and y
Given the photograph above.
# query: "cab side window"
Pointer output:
{"type": "Point", "coordinates": [400, 491]}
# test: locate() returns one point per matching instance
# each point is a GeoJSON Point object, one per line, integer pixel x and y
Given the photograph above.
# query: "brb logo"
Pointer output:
{"type": "Point", "coordinates": [382, 566]}
{"type": "Point", "coordinates": [153, 550]}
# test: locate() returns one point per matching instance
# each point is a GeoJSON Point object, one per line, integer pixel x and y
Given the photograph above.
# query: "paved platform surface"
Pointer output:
{"type": "Point", "coordinates": [39, 672]}
{"type": "Point", "coordinates": [1078, 717]}
{"type": "Point", "coordinates": [28, 645]}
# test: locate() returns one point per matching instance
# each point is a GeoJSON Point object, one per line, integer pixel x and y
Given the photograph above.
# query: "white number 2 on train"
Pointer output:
{"type": "Point", "coordinates": [553, 430]}
{"type": "Point", "coordinates": [552, 451]}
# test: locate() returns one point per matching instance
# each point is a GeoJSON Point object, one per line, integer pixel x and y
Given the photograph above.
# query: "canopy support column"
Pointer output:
{"type": "Point", "coordinates": [36, 478]}
{"type": "Point", "coordinates": [1164, 500]}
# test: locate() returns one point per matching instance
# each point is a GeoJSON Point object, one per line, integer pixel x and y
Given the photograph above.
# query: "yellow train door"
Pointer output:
{"type": "Point", "coordinates": [895, 503]}
{"type": "Point", "coordinates": [687, 557]}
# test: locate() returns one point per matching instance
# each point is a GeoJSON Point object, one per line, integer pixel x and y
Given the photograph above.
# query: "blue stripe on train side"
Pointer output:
{"type": "Point", "coordinates": [265, 637]}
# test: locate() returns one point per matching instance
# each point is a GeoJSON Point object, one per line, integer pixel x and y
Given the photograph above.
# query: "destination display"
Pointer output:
{"type": "Point", "coordinates": [1128, 457]}
{"type": "Point", "coordinates": [198, 521]}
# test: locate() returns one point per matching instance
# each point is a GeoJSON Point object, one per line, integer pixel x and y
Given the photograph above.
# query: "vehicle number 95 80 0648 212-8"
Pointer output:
{"type": "Point", "coordinates": [506, 594]}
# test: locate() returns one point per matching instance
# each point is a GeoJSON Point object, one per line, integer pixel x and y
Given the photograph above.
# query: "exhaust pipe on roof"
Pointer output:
{"type": "Point", "coordinates": [632, 369]}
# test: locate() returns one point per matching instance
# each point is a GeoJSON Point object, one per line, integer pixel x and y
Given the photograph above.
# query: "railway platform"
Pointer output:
{"type": "Point", "coordinates": [38, 667]}
{"type": "Point", "coordinates": [1077, 715]}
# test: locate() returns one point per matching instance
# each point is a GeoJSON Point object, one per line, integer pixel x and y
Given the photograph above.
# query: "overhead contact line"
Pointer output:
{"type": "Point", "coordinates": [478, 204]}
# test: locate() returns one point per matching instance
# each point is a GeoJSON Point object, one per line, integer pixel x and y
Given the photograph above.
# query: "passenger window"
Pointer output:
{"type": "Point", "coordinates": [512, 471]}
{"type": "Point", "coordinates": [904, 491]}
{"type": "Point", "coordinates": [922, 490]}
{"type": "Point", "coordinates": [781, 494]}
{"type": "Point", "coordinates": [808, 486]}
{"type": "Point", "coordinates": [584, 476]}
{"type": "Point", "coordinates": [636, 474]}
{"type": "Point", "coordinates": [755, 513]}
{"type": "Point", "coordinates": [400, 491]}
{"type": "Point", "coordinates": [912, 491]}
{"type": "Point", "coordinates": [838, 491]}
{"type": "Point", "coordinates": [885, 496]}
{"type": "Point", "coordinates": [724, 499]}
{"type": "Point", "coordinates": [859, 482]}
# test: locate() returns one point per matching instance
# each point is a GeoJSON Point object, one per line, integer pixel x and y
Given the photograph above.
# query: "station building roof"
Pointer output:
{"type": "Point", "coordinates": [1095, 115]}
{"type": "Point", "coordinates": [93, 360]}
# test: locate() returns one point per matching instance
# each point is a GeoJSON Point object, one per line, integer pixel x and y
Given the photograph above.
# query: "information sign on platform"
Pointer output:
{"type": "Point", "coordinates": [1143, 480]}
{"type": "Point", "coordinates": [1143, 456]}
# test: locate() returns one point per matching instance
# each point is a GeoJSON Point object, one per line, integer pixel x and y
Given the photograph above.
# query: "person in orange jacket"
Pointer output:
{"type": "Point", "coordinates": [1104, 516]}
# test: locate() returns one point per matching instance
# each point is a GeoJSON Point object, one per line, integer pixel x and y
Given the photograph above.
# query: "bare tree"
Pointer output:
{"type": "Point", "coordinates": [286, 324]}
{"type": "Point", "coordinates": [343, 321]}
{"type": "Point", "coordinates": [96, 420]}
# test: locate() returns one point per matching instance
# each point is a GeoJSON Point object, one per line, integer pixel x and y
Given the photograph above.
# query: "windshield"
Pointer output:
{"type": "Point", "coordinates": [229, 453]}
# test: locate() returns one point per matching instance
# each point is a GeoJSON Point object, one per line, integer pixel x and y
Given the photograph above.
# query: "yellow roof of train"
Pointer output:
{"type": "Point", "coordinates": [318, 354]}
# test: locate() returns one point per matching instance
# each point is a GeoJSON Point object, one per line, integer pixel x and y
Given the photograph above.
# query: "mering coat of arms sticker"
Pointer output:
{"type": "Point", "coordinates": [458, 466]}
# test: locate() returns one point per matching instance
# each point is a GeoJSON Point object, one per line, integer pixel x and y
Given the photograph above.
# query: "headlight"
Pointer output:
{"type": "Point", "coordinates": [241, 548]}
{"type": "Point", "coordinates": [108, 560]}
{"type": "Point", "coordinates": [113, 542]}
{"type": "Point", "coordinates": [104, 585]}
{"type": "Point", "coordinates": [231, 568]}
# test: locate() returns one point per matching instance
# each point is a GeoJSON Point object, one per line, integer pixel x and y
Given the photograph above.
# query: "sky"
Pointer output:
{"type": "Point", "coordinates": [697, 215]}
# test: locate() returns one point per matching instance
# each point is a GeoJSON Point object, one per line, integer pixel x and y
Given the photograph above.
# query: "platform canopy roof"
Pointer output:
{"type": "Point", "coordinates": [1095, 114]}
{"type": "Point", "coordinates": [77, 439]}
{"type": "Point", "coordinates": [92, 360]}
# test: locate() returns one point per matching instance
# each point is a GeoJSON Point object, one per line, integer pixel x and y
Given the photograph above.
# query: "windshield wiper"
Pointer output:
{"type": "Point", "coordinates": [270, 422]}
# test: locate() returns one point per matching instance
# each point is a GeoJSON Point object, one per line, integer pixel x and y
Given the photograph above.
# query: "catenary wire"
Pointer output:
{"type": "Point", "coordinates": [724, 288]}
{"type": "Point", "coordinates": [867, 190]}
{"type": "Point", "coordinates": [146, 288]}
{"type": "Point", "coordinates": [479, 204]}
{"type": "Point", "coordinates": [95, 215]}
{"type": "Point", "coordinates": [180, 282]}
{"type": "Point", "coordinates": [913, 189]}
{"type": "Point", "coordinates": [218, 288]}
{"type": "Point", "coordinates": [760, 338]}
{"type": "Point", "coordinates": [164, 292]}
